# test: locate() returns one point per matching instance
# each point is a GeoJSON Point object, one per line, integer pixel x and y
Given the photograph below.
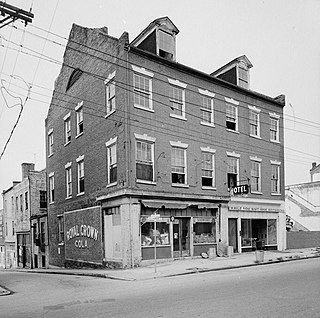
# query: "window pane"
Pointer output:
{"type": "Point", "coordinates": [148, 234]}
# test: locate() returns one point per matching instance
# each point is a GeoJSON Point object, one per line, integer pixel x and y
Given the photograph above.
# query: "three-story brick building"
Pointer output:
{"type": "Point", "coordinates": [136, 139]}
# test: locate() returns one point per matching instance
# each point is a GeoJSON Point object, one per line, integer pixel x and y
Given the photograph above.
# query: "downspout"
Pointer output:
{"type": "Point", "coordinates": [30, 225]}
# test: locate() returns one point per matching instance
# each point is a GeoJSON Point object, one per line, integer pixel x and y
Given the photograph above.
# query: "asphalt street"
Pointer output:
{"type": "Point", "coordinates": [277, 290]}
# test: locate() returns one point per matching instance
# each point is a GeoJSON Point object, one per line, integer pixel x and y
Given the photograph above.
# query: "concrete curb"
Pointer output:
{"type": "Point", "coordinates": [4, 291]}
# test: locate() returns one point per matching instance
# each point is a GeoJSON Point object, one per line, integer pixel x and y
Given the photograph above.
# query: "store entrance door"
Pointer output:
{"type": "Point", "coordinates": [181, 237]}
{"type": "Point", "coordinates": [232, 232]}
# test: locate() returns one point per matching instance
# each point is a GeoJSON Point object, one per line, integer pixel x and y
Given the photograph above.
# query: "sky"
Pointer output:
{"type": "Point", "coordinates": [281, 38]}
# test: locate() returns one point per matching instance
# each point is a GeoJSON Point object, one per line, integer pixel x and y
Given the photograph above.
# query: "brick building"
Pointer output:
{"type": "Point", "coordinates": [135, 139]}
{"type": "Point", "coordinates": [25, 220]}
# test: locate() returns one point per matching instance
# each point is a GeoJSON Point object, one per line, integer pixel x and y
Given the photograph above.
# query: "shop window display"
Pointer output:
{"type": "Point", "coordinates": [204, 232]}
{"type": "Point", "coordinates": [148, 235]}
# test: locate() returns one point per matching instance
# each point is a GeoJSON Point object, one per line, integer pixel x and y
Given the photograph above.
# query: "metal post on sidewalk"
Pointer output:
{"type": "Point", "coordinates": [155, 245]}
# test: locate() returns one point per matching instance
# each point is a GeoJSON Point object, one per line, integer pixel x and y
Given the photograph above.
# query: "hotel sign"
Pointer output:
{"type": "Point", "coordinates": [241, 189]}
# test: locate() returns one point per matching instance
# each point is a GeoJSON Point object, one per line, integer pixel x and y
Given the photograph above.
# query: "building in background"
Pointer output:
{"type": "Point", "coordinates": [25, 220]}
{"type": "Point", "coordinates": [2, 247]}
{"type": "Point", "coordinates": [143, 149]}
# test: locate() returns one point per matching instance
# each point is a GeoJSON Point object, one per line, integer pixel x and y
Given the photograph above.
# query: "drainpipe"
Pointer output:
{"type": "Point", "coordinates": [30, 225]}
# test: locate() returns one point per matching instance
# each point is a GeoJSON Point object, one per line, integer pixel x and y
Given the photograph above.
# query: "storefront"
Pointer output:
{"type": "Point", "coordinates": [255, 223]}
{"type": "Point", "coordinates": [179, 229]}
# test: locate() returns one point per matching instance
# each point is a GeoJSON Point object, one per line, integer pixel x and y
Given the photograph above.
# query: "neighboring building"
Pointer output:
{"type": "Point", "coordinates": [2, 247]}
{"type": "Point", "coordinates": [132, 135]}
{"type": "Point", "coordinates": [303, 203]}
{"type": "Point", "coordinates": [315, 169]}
{"type": "Point", "coordinates": [25, 220]}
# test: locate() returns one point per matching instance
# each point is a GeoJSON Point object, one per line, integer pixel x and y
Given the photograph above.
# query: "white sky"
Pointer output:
{"type": "Point", "coordinates": [280, 37]}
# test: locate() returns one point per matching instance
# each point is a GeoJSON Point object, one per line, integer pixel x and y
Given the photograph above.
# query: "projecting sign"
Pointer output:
{"type": "Point", "coordinates": [243, 189]}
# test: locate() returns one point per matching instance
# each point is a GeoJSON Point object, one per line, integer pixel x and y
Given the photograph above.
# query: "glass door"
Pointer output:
{"type": "Point", "coordinates": [181, 237]}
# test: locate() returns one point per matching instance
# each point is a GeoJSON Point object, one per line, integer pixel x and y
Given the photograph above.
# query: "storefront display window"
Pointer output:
{"type": "Point", "coordinates": [148, 233]}
{"type": "Point", "coordinates": [204, 231]}
{"type": "Point", "coordinates": [272, 232]}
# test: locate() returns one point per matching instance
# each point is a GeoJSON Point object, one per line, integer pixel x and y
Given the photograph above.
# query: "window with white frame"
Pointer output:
{"type": "Point", "coordinates": [232, 169]}
{"type": "Point", "coordinates": [50, 142]}
{"type": "Point", "coordinates": [275, 177]}
{"type": "Point", "coordinates": [274, 127]}
{"type": "Point", "coordinates": [80, 163]}
{"type": "Point", "coordinates": [255, 175]}
{"type": "Point", "coordinates": [68, 180]}
{"type": "Point", "coordinates": [207, 168]}
{"type": "Point", "coordinates": [51, 188]}
{"type": "Point", "coordinates": [206, 108]}
{"type": "Point", "coordinates": [67, 129]}
{"type": "Point", "coordinates": [79, 118]}
{"type": "Point", "coordinates": [254, 121]}
{"type": "Point", "coordinates": [177, 99]}
{"type": "Point", "coordinates": [142, 86]}
{"type": "Point", "coordinates": [178, 163]}
{"type": "Point", "coordinates": [144, 158]}
{"type": "Point", "coordinates": [110, 94]}
{"type": "Point", "coordinates": [112, 161]}
{"type": "Point", "coordinates": [231, 114]}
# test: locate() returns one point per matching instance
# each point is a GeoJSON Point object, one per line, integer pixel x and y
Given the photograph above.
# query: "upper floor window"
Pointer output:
{"type": "Point", "coordinates": [26, 200]}
{"type": "Point", "coordinates": [68, 180]}
{"type": "Point", "coordinates": [274, 127]}
{"type": "Point", "coordinates": [206, 108]}
{"type": "Point", "coordinates": [79, 118]}
{"type": "Point", "coordinates": [166, 44]}
{"type": "Point", "coordinates": [67, 129]}
{"type": "Point", "coordinates": [255, 174]}
{"type": "Point", "coordinates": [51, 187]}
{"type": "Point", "coordinates": [233, 169]}
{"type": "Point", "coordinates": [177, 99]}
{"type": "Point", "coordinates": [275, 177]}
{"type": "Point", "coordinates": [60, 229]}
{"type": "Point", "coordinates": [21, 203]}
{"type": "Point", "coordinates": [112, 161]}
{"type": "Point", "coordinates": [145, 158]}
{"type": "Point", "coordinates": [142, 86]}
{"type": "Point", "coordinates": [43, 199]}
{"type": "Point", "coordinates": [243, 75]}
{"type": "Point", "coordinates": [207, 168]}
{"type": "Point", "coordinates": [254, 121]}
{"type": "Point", "coordinates": [178, 163]}
{"type": "Point", "coordinates": [80, 162]}
{"type": "Point", "coordinates": [50, 142]}
{"type": "Point", "coordinates": [231, 114]}
{"type": "Point", "coordinates": [110, 94]}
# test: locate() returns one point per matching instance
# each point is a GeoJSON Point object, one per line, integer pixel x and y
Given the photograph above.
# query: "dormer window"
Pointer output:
{"type": "Point", "coordinates": [243, 75]}
{"type": "Point", "coordinates": [166, 45]}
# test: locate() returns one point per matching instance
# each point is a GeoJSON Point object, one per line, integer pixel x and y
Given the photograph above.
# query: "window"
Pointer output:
{"type": "Point", "coordinates": [17, 204]}
{"type": "Point", "coordinates": [206, 108]}
{"type": "Point", "coordinates": [145, 158]}
{"type": "Point", "coordinates": [178, 163]}
{"type": "Point", "coordinates": [275, 177]}
{"type": "Point", "coordinates": [204, 231]}
{"type": "Point", "coordinates": [166, 45]}
{"type": "Point", "coordinates": [177, 99]}
{"type": "Point", "coordinates": [68, 180]}
{"type": "Point", "coordinates": [60, 229]}
{"type": "Point", "coordinates": [75, 75]}
{"type": "Point", "coordinates": [207, 168]}
{"type": "Point", "coordinates": [149, 235]}
{"type": "Point", "coordinates": [80, 162]}
{"type": "Point", "coordinates": [142, 86]}
{"type": "Point", "coordinates": [50, 142]}
{"type": "Point", "coordinates": [51, 188]}
{"type": "Point", "coordinates": [26, 202]}
{"type": "Point", "coordinates": [254, 121]}
{"type": "Point", "coordinates": [255, 175]}
{"type": "Point", "coordinates": [274, 127]}
{"type": "Point", "coordinates": [231, 117]}
{"type": "Point", "coordinates": [43, 199]}
{"type": "Point", "coordinates": [243, 75]}
{"type": "Point", "coordinates": [67, 129]}
{"type": "Point", "coordinates": [112, 161]}
{"type": "Point", "coordinates": [21, 203]}
{"type": "Point", "coordinates": [233, 170]}
{"type": "Point", "coordinates": [13, 229]}
{"type": "Point", "coordinates": [79, 118]}
{"type": "Point", "coordinates": [110, 94]}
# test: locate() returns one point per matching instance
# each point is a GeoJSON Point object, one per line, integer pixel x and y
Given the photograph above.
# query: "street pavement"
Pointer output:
{"type": "Point", "coordinates": [185, 266]}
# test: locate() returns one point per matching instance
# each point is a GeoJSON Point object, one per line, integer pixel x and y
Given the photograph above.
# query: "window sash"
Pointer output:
{"type": "Point", "coordinates": [255, 176]}
{"type": "Point", "coordinates": [254, 123]}
{"type": "Point", "coordinates": [80, 176]}
{"type": "Point", "coordinates": [207, 109]}
{"type": "Point", "coordinates": [274, 128]}
{"type": "Point", "coordinates": [79, 114]}
{"type": "Point", "coordinates": [166, 42]}
{"type": "Point", "coordinates": [112, 163]}
{"type": "Point", "coordinates": [231, 113]}
{"type": "Point", "coordinates": [50, 143]}
{"type": "Point", "coordinates": [67, 125]}
{"type": "Point", "coordinates": [142, 91]}
{"type": "Point", "coordinates": [69, 182]}
{"type": "Point", "coordinates": [275, 179]}
{"type": "Point", "coordinates": [111, 97]}
{"type": "Point", "coordinates": [51, 189]}
{"type": "Point", "coordinates": [178, 165]}
{"type": "Point", "coordinates": [207, 169]}
{"type": "Point", "coordinates": [233, 165]}
{"type": "Point", "coordinates": [176, 97]}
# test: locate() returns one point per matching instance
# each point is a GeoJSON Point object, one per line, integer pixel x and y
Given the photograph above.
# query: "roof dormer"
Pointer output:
{"type": "Point", "coordinates": [236, 72]}
{"type": "Point", "coordinates": [159, 37]}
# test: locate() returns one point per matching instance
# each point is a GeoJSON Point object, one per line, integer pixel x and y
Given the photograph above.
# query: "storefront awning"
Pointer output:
{"type": "Point", "coordinates": [168, 205]}
{"type": "Point", "coordinates": [207, 206]}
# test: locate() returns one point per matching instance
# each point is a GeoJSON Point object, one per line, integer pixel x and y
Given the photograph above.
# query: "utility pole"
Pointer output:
{"type": "Point", "coordinates": [11, 14]}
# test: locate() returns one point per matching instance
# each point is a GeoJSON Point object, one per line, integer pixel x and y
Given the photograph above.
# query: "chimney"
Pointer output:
{"type": "Point", "coordinates": [26, 168]}
{"type": "Point", "coordinates": [314, 164]}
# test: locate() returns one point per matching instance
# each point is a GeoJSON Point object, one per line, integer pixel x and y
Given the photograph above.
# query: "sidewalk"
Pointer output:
{"type": "Point", "coordinates": [169, 268]}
